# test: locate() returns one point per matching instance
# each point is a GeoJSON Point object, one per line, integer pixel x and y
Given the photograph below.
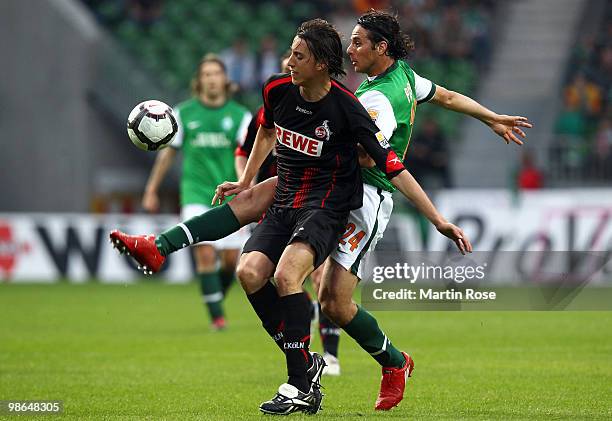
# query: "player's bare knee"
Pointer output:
{"type": "Point", "coordinates": [250, 276]}
{"type": "Point", "coordinates": [229, 259]}
{"type": "Point", "coordinates": [287, 280]}
{"type": "Point", "coordinates": [205, 257]}
{"type": "Point", "coordinates": [205, 252]}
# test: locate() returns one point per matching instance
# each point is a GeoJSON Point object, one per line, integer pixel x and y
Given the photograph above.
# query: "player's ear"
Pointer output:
{"type": "Point", "coordinates": [381, 47]}
{"type": "Point", "coordinates": [320, 66]}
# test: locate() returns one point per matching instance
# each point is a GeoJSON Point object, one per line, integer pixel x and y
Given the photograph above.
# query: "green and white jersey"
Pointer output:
{"type": "Point", "coordinates": [207, 137]}
{"type": "Point", "coordinates": [391, 99]}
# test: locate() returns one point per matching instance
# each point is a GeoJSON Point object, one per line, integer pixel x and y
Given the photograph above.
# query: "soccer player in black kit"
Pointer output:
{"type": "Point", "coordinates": [315, 123]}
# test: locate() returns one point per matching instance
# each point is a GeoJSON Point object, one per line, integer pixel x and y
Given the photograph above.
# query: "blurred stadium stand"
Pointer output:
{"type": "Point", "coordinates": [170, 37]}
{"type": "Point", "coordinates": [453, 38]}
{"type": "Point", "coordinates": [526, 70]}
{"type": "Point", "coordinates": [533, 73]}
{"type": "Point", "coordinates": [581, 147]}
{"type": "Point", "coordinates": [55, 140]}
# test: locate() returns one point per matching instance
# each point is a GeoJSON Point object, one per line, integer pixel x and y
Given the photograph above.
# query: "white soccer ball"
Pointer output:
{"type": "Point", "coordinates": [152, 125]}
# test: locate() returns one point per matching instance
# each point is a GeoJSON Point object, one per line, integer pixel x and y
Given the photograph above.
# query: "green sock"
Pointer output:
{"type": "Point", "coordinates": [212, 225]}
{"type": "Point", "coordinates": [210, 286]}
{"type": "Point", "coordinates": [364, 329]}
{"type": "Point", "coordinates": [227, 277]}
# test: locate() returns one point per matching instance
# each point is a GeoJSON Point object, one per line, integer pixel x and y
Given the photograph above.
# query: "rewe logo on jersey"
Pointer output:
{"type": "Point", "coordinates": [298, 142]}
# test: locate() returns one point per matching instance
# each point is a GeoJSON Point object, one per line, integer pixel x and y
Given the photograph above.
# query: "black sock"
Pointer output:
{"type": "Point", "coordinates": [330, 334]}
{"type": "Point", "coordinates": [265, 302]}
{"type": "Point", "coordinates": [296, 314]}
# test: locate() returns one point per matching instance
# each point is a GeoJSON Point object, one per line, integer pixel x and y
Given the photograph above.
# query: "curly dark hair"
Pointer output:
{"type": "Point", "coordinates": [324, 43]}
{"type": "Point", "coordinates": [383, 26]}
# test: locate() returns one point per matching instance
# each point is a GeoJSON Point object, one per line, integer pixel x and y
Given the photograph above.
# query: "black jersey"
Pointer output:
{"type": "Point", "coordinates": [268, 168]}
{"type": "Point", "coordinates": [316, 151]}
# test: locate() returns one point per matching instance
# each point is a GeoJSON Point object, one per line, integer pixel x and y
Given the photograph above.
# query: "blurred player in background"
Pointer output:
{"type": "Point", "coordinates": [211, 125]}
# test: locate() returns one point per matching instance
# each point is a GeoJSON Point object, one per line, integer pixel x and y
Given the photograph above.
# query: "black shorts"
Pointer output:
{"type": "Point", "coordinates": [281, 226]}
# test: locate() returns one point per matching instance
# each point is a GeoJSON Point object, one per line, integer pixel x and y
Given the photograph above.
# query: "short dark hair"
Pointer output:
{"type": "Point", "coordinates": [383, 26]}
{"type": "Point", "coordinates": [324, 43]}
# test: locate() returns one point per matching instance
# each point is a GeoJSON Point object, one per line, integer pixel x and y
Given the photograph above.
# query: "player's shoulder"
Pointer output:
{"type": "Point", "coordinates": [389, 88]}
{"type": "Point", "coordinates": [343, 94]}
{"type": "Point", "coordinates": [405, 67]}
{"type": "Point", "coordinates": [276, 86]}
{"type": "Point", "coordinates": [277, 81]}
{"type": "Point", "coordinates": [401, 73]}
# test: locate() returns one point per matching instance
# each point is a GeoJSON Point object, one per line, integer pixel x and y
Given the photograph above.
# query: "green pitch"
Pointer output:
{"type": "Point", "coordinates": [145, 352]}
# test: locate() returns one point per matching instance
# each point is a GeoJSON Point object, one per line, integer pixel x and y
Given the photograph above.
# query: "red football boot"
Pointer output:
{"type": "Point", "coordinates": [218, 324]}
{"type": "Point", "coordinates": [141, 247]}
{"type": "Point", "coordinates": [392, 385]}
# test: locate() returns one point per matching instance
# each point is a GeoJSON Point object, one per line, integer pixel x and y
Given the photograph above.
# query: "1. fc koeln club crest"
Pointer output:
{"type": "Point", "coordinates": [323, 131]}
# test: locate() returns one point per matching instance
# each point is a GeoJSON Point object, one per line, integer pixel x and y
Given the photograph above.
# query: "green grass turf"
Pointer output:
{"type": "Point", "coordinates": [145, 352]}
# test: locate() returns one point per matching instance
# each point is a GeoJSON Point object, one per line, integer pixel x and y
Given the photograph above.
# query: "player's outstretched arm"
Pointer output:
{"type": "Point", "coordinates": [163, 162]}
{"type": "Point", "coordinates": [264, 142]}
{"type": "Point", "coordinates": [410, 188]}
{"type": "Point", "coordinates": [505, 126]}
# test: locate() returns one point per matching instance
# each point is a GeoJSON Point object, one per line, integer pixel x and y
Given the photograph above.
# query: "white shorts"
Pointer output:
{"type": "Point", "coordinates": [233, 241]}
{"type": "Point", "coordinates": [364, 229]}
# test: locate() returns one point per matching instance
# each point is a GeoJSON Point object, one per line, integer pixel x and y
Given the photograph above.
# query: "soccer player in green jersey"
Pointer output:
{"type": "Point", "coordinates": [391, 94]}
{"type": "Point", "coordinates": [211, 125]}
